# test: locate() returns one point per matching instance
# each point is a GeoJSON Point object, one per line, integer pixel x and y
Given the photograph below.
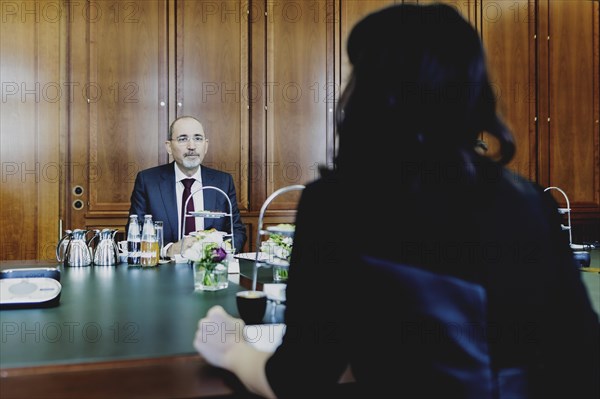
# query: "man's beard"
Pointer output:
{"type": "Point", "coordinates": [191, 162]}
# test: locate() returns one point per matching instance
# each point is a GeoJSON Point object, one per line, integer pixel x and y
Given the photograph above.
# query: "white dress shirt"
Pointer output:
{"type": "Point", "coordinates": [198, 196]}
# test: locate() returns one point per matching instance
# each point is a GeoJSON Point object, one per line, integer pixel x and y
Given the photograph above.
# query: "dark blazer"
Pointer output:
{"type": "Point", "coordinates": [502, 234]}
{"type": "Point", "coordinates": [154, 193]}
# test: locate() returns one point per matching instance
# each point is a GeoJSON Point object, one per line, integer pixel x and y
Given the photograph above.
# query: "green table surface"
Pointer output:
{"type": "Point", "coordinates": [591, 279]}
{"type": "Point", "coordinates": [116, 312]}
{"type": "Point", "coordinates": [264, 273]}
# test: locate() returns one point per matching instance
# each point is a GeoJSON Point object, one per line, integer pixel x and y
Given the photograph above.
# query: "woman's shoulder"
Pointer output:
{"type": "Point", "coordinates": [520, 186]}
{"type": "Point", "coordinates": [497, 179]}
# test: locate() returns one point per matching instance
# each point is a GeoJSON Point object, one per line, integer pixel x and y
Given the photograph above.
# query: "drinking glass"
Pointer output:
{"type": "Point", "coordinates": [275, 298]}
{"type": "Point", "coordinates": [158, 227]}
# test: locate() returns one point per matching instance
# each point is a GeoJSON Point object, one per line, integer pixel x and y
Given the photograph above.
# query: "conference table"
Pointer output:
{"type": "Point", "coordinates": [119, 331]}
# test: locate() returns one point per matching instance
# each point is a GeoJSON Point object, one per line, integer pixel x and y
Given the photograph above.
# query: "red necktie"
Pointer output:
{"type": "Point", "coordinates": [189, 223]}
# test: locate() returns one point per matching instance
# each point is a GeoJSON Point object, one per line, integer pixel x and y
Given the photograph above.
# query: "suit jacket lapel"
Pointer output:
{"type": "Point", "coordinates": [169, 197]}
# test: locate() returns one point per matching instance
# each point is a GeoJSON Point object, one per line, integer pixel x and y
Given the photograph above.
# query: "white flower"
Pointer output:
{"type": "Point", "coordinates": [194, 252]}
{"type": "Point", "coordinates": [205, 242]}
{"type": "Point", "coordinates": [281, 252]}
{"type": "Point", "coordinates": [277, 246]}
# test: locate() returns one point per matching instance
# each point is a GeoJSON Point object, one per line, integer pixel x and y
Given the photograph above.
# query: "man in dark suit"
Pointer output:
{"type": "Point", "coordinates": [159, 190]}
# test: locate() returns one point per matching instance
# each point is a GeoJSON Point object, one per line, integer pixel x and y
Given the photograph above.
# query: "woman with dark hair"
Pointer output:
{"type": "Point", "coordinates": [427, 268]}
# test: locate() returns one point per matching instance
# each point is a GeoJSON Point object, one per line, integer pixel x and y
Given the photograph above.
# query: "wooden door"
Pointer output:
{"type": "Point", "coordinates": [298, 95]}
{"type": "Point", "coordinates": [212, 82]}
{"type": "Point", "coordinates": [570, 108]}
{"type": "Point", "coordinates": [32, 94]}
{"type": "Point", "coordinates": [119, 116]}
{"type": "Point", "coordinates": [509, 38]}
{"type": "Point", "coordinates": [292, 103]}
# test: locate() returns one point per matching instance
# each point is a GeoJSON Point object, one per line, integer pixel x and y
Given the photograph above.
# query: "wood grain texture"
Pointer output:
{"type": "Point", "coordinates": [168, 377]}
{"type": "Point", "coordinates": [213, 85]}
{"type": "Point", "coordinates": [266, 87]}
{"type": "Point", "coordinates": [508, 37]}
{"type": "Point", "coordinates": [574, 137]}
{"type": "Point", "coordinates": [127, 55]}
{"type": "Point", "coordinates": [117, 126]}
{"type": "Point", "coordinates": [32, 95]}
{"type": "Point", "coordinates": [296, 101]}
{"type": "Point", "coordinates": [272, 218]}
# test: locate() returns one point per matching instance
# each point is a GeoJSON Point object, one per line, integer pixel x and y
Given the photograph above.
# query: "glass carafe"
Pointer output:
{"type": "Point", "coordinates": [149, 243]}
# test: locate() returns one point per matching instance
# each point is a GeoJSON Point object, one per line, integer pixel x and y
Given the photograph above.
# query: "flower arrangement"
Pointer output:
{"type": "Point", "coordinates": [208, 255]}
{"type": "Point", "coordinates": [279, 249]}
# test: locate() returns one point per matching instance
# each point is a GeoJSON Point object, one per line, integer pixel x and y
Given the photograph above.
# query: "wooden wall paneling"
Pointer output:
{"type": "Point", "coordinates": [467, 8]}
{"type": "Point", "coordinates": [128, 56]}
{"type": "Point", "coordinates": [272, 218]}
{"type": "Point", "coordinates": [212, 82]}
{"type": "Point", "coordinates": [30, 99]}
{"type": "Point", "coordinates": [126, 94]}
{"type": "Point", "coordinates": [296, 100]}
{"type": "Point", "coordinates": [49, 128]}
{"type": "Point", "coordinates": [115, 52]}
{"type": "Point", "coordinates": [172, 33]}
{"type": "Point", "coordinates": [508, 30]}
{"type": "Point", "coordinates": [596, 67]}
{"type": "Point", "coordinates": [258, 114]}
{"type": "Point", "coordinates": [573, 111]}
{"type": "Point", "coordinates": [66, 97]}
{"type": "Point", "coordinates": [76, 156]}
{"type": "Point", "coordinates": [543, 93]}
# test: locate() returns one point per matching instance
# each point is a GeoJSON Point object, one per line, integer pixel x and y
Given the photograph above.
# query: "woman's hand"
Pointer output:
{"type": "Point", "coordinates": [220, 340]}
{"type": "Point", "coordinates": [218, 335]}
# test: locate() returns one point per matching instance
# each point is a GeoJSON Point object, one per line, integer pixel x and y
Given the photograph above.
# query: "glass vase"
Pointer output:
{"type": "Point", "coordinates": [210, 277]}
{"type": "Point", "coordinates": [280, 273]}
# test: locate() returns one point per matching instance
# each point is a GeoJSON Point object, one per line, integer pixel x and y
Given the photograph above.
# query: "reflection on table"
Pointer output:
{"type": "Point", "coordinates": [116, 323]}
{"type": "Point", "coordinates": [122, 332]}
